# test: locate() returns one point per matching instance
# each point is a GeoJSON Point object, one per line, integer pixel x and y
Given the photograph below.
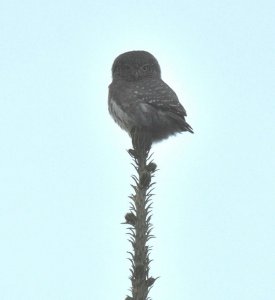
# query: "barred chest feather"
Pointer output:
{"type": "Point", "coordinates": [119, 115]}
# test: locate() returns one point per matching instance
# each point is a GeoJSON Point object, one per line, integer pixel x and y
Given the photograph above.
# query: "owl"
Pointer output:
{"type": "Point", "coordinates": [140, 99]}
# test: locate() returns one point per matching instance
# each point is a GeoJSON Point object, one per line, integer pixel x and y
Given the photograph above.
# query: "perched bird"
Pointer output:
{"type": "Point", "coordinates": [140, 99]}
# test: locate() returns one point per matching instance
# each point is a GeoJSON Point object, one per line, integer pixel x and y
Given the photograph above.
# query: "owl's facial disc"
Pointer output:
{"type": "Point", "coordinates": [135, 65]}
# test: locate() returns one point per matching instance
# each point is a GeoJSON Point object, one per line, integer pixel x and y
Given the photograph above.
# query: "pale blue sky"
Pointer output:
{"type": "Point", "coordinates": [65, 172]}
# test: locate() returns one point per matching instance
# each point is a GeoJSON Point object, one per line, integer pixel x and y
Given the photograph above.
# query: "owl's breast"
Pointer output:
{"type": "Point", "coordinates": [119, 114]}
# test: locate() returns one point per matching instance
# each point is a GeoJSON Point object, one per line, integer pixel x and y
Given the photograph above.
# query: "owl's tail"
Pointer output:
{"type": "Point", "coordinates": [187, 127]}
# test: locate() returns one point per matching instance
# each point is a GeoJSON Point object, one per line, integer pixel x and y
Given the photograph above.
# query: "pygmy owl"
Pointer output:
{"type": "Point", "coordinates": [139, 98]}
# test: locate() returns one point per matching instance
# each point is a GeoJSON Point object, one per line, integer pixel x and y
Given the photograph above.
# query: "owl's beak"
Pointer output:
{"type": "Point", "coordinates": [136, 75]}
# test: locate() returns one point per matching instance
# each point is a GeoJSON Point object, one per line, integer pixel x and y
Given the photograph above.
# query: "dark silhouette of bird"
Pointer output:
{"type": "Point", "coordinates": [140, 99]}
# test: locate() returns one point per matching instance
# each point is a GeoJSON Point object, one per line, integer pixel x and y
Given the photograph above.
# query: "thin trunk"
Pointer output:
{"type": "Point", "coordinates": [139, 217]}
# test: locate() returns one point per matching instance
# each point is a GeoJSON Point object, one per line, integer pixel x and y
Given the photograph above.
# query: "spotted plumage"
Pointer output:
{"type": "Point", "coordinates": [139, 98]}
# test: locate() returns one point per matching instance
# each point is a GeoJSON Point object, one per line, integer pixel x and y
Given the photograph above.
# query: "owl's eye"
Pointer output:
{"type": "Point", "coordinates": [146, 68]}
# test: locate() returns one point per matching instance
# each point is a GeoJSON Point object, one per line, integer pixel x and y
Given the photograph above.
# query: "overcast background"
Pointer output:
{"type": "Point", "coordinates": [65, 172]}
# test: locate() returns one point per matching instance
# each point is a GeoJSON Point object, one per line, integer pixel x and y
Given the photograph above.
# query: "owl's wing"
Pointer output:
{"type": "Point", "coordinates": [163, 98]}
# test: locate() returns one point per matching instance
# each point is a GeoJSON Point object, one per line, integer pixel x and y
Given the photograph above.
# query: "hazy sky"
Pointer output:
{"type": "Point", "coordinates": [65, 172]}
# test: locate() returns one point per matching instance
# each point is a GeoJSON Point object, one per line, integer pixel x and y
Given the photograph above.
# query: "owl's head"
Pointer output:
{"type": "Point", "coordinates": [135, 65]}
